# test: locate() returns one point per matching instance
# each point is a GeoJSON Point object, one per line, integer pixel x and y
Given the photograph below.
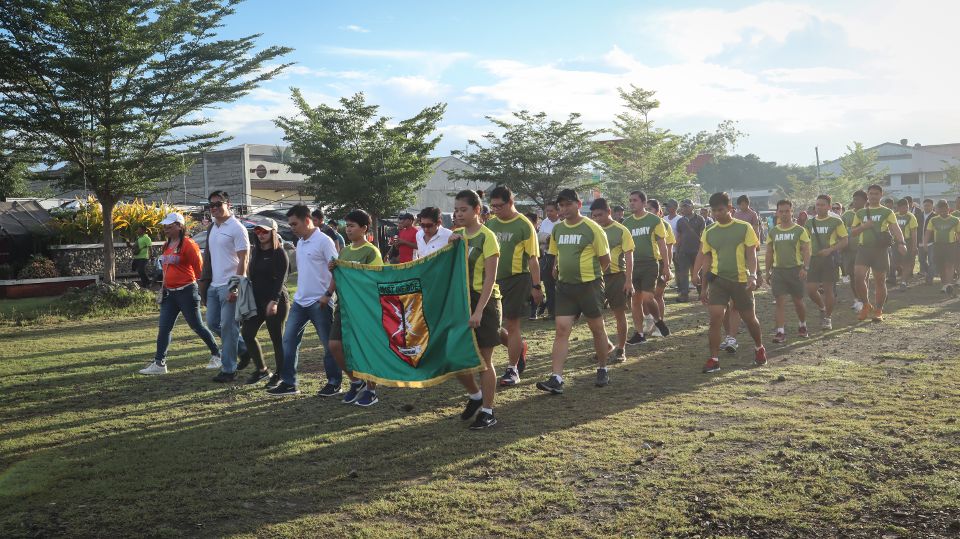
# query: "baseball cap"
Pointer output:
{"type": "Point", "coordinates": [173, 217]}
{"type": "Point", "coordinates": [569, 195]}
{"type": "Point", "coordinates": [686, 202]}
{"type": "Point", "coordinates": [266, 224]}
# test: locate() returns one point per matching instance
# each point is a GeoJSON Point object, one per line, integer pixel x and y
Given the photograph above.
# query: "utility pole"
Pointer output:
{"type": "Point", "coordinates": [816, 151]}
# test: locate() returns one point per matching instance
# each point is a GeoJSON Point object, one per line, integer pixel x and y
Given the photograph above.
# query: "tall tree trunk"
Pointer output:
{"type": "Point", "coordinates": [109, 256]}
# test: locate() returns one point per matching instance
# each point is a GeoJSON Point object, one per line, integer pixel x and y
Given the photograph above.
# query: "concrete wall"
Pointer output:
{"type": "Point", "coordinates": [87, 259]}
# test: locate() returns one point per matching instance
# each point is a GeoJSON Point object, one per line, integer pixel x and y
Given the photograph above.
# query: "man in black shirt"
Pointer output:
{"type": "Point", "coordinates": [690, 227]}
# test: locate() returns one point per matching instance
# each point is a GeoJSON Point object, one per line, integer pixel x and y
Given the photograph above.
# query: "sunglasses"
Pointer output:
{"type": "Point", "coordinates": [218, 204]}
{"type": "Point", "coordinates": [427, 225]}
{"type": "Point", "coordinates": [261, 231]}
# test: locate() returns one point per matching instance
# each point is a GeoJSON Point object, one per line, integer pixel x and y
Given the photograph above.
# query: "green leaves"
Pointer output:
{"type": "Point", "coordinates": [652, 159]}
{"type": "Point", "coordinates": [534, 157]}
{"type": "Point", "coordinates": [355, 159]}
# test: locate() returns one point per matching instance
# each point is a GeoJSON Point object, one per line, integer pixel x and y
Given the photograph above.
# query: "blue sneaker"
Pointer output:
{"type": "Point", "coordinates": [355, 388]}
{"type": "Point", "coordinates": [367, 398]}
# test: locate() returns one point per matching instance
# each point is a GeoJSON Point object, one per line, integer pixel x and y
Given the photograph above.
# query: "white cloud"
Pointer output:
{"type": "Point", "coordinates": [356, 28]}
{"type": "Point", "coordinates": [699, 34]}
{"type": "Point", "coordinates": [811, 75]}
{"type": "Point", "coordinates": [415, 86]}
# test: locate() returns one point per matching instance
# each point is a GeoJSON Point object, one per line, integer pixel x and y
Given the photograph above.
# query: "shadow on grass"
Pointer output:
{"type": "Point", "coordinates": [281, 460]}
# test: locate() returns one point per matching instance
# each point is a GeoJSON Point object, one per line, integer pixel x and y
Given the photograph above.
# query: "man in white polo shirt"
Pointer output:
{"type": "Point", "coordinates": [310, 304]}
{"type": "Point", "coordinates": [228, 246]}
{"type": "Point", "coordinates": [431, 236]}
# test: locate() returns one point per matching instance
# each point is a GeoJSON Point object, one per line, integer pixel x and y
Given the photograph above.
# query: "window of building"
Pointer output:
{"type": "Point", "coordinates": [885, 180]}
{"type": "Point", "coordinates": [934, 177]}
{"type": "Point", "coordinates": [911, 178]}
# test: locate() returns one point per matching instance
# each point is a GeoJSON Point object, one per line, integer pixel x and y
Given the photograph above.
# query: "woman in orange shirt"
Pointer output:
{"type": "Point", "coordinates": [181, 267]}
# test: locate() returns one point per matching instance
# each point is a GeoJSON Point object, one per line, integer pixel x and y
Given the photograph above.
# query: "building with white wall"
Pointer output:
{"type": "Point", "coordinates": [915, 170]}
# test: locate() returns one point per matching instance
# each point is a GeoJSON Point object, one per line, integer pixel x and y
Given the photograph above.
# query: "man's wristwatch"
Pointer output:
{"type": "Point", "coordinates": [537, 286]}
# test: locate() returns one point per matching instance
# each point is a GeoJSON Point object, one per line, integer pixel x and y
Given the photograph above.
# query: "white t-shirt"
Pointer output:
{"type": "Point", "coordinates": [435, 244]}
{"type": "Point", "coordinates": [225, 241]}
{"type": "Point", "coordinates": [673, 222]}
{"type": "Point", "coordinates": [313, 267]}
{"type": "Point", "coordinates": [546, 228]}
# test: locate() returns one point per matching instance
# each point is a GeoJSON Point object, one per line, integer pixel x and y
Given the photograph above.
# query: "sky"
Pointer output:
{"type": "Point", "coordinates": [793, 75]}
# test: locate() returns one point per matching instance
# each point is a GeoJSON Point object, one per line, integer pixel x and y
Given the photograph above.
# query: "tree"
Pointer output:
{"type": "Point", "coordinates": [354, 159]}
{"type": "Point", "coordinates": [114, 89]}
{"type": "Point", "coordinates": [858, 169]}
{"type": "Point", "coordinates": [745, 172]}
{"type": "Point", "coordinates": [653, 159]}
{"type": "Point", "coordinates": [15, 165]}
{"type": "Point", "coordinates": [534, 157]}
{"type": "Point", "coordinates": [951, 176]}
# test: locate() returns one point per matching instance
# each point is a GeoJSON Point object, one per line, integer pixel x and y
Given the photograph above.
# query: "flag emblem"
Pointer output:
{"type": "Point", "coordinates": [401, 304]}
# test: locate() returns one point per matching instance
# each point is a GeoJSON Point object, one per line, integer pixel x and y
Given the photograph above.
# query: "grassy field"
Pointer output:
{"type": "Point", "coordinates": [850, 433]}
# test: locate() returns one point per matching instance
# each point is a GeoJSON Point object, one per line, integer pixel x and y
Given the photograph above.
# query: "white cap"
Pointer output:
{"type": "Point", "coordinates": [171, 218]}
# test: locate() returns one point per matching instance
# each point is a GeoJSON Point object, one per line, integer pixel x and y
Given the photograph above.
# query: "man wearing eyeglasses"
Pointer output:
{"type": "Point", "coordinates": [431, 236]}
{"type": "Point", "coordinates": [228, 246]}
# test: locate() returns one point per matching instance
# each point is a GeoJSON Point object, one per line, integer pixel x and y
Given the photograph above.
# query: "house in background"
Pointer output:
{"type": "Point", "coordinates": [441, 186]}
{"type": "Point", "coordinates": [916, 170]}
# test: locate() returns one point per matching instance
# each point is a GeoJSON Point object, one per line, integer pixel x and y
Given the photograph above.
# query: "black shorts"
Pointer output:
{"type": "Point", "coordinates": [646, 275]}
{"type": "Point", "coordinates": [875, 258]}
{"type": "Point", "coordinates": [488, 334]}
{"type": "Point", "coordinates": [515, 295]}
{"type": "Point", "coordinates": [823, 269]}
{"type": "Point", "coordinates": [573, 299]}
{"type": "Point", "coordinates": [787, 282]}
{"type": "Point", "coordinates": [943, 254]}
{"type": "Point", "coordinates": [722, 291]}
{"type": "Point", "coordinates": [613, 290]}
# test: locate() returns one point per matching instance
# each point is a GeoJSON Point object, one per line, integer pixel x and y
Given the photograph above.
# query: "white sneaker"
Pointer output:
{"type": "Point", "coordinates": [730, 345]}
{"type": "Point", "coordinates": [214, 364]}
{"type": "Point", "coordinates": [845, 280]}
{"type": "Point", "coordinates": [857, 306]}
{"type": "Point", "coordinates": [826, 324]}
{"type": "Point", "coordinates": [153, 368]}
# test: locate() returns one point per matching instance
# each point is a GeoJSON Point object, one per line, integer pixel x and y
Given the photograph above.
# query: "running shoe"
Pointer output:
{"type": "Point", "coordinates": [353, 393]}
{"type": "Point", "coordinates": [329, 390]}
{"type": "Point", "coordinates": [857, 305]}
{"type": "Point", "coordinates": [256, 376]}
{"type": "Point", "coordinates": [730, 345]}
{"type": "Point", "coordinates": [618, 356]}
{"type": "Point", "coordinates": [283, 389]}
{"type": "Point", "coordinates": [483, 421]}
{"type": "Point", "coordinates": [273, 382]}
{"type": "Point", "coordinates": [662, 326]}
{"type": "Point", "coordinates": [637, 338]}
{"type": "Point", "coordinates": [826, 323]}
{"type": "Point", "coordinates": [225, 377]}
{"type": "Point", "coordinates": [154, 368]}
{"type": "Point", "coordinates": [214, 363]}
{"type": "Point", "coordinates": [802, 331]}
{"type": "Point", "coordinates": [510, 378]}
{"type": "Point", "coordinates": [878, 314]}
{"type": "Point", "coordinates": [712, 365]}
{"type": "Point", "coordinates": [603, 377]}
{"type": "Point", "coordinates": [552, 385]}
{"type": "Point", "coordinates": [367, 398]}
{"type": "Point", "coordinates": [865, 312]}
{"type": "Point", "coordinates": [471, 408]}
{"type": "Point", "coordinates": [760, 357]}
{"type": "Point", "coordinates": [780, 338]}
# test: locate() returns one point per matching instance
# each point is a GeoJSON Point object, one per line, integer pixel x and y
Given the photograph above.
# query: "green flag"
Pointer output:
{"type": "Point", "coordinates": [407, 325]}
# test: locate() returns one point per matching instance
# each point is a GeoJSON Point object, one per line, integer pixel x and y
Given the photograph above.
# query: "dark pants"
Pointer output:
{"type": "Point", "coordinates": [175, 302]}
{"type": "Point", "coordinates": [140, 266]}
{"type": "Point", "coordinates": [547, 262]}
{"type": "Point", "coordinates": [683, 262]}
{"type": "Point", "coordinates": [251, 326]}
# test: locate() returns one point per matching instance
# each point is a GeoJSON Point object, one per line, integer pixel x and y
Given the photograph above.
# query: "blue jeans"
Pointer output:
{"type": "Point", "coordinates": [175, 302]}
{"type": "Point", "coordinates": [221, 317]}
{"type": "Point", "coordinates": [322, 317]}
